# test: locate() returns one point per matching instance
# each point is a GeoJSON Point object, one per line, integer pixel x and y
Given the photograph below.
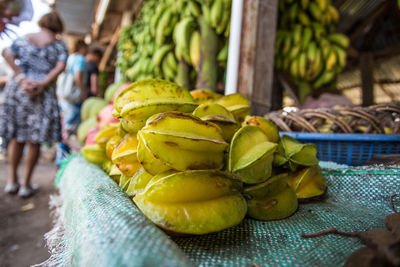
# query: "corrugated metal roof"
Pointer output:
{"type": "Point", "coordinates": [77, 15]}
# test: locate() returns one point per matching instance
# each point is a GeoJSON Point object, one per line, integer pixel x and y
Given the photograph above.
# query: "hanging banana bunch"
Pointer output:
{"type": "Point", "coordinates": [306, 45]}
{"type": "Point", "coordinates": [166, 42]}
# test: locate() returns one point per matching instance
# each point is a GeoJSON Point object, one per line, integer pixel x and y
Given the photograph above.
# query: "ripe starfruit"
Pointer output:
{"type": "Point", "coordinates": [111, 144]}
{"type": "Point", "coordinates": [308, 182]}
{"type": "Point", "coordinates": [105, 133]}
{"type": "Point", "coordinates": [94, 154]}
{"type": "Point", "coordinates": [142, 99]}
{"type": "Point", "coordinates": [237, 104]}
{"type": "Point", "coordinates": [268, 127]}
{"type": "Point", "coordinates": [138, 182]}
{"type": "Point", "coordinates": [251, 155]}
{"type": "Point", "coordinates": [219, 115]}
{"type": "Point", "coordinates": [124, 155]}
{"type": "Point", "coordinates": [204, 95]}
{"type": "Point", "coordinates": [271, 200]}
{"type": "Point", "coordinates": [193, 202]}
{"type": "Point", "coordinates": [181, 142]}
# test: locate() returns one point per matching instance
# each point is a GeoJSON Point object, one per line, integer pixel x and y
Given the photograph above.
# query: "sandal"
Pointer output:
{"type": "Point", "coordinates": [11, 188]}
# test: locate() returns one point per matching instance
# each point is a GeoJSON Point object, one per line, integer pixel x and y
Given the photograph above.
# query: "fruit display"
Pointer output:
{"type": "Point", "coordinates": [307, 46]}
{"type": "Point", "coordinates": [184, 41]}
{"type": "Point", "coordinates": [197, 163]}
{"type": "Point", "coordinates": [376, 119]}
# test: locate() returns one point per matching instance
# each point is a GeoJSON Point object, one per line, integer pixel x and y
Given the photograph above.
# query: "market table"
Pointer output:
{"type": "Point", "coordinates": [98, 225]}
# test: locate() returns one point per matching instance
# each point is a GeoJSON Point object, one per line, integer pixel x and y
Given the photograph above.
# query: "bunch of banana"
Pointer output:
{"type": "Point", "coordinates": [306, 45]}
{"type": "Point", "coordinates": [197, 170]}
{"type": "Point", "coordinates": [164, 42]}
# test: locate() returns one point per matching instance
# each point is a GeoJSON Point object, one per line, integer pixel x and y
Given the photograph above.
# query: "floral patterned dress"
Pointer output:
{"type": "Point", "coordinates": [32, 119]}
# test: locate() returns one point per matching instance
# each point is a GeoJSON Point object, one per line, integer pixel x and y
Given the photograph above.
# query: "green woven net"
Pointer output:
{"type": "Point", "coordinates": [98, 225]}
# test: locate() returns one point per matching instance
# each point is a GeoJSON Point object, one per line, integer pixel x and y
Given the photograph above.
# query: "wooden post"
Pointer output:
{"type": "Point", "coordinates": [256, 65]}
{"type": "Point", "coordinates": [367, 78]}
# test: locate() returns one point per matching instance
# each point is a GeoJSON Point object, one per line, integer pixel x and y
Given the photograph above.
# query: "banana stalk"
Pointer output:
{"type": "Point", "coordinates": [207, 76]}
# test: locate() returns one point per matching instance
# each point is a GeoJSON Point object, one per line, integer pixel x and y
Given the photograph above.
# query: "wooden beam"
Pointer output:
{"type": "Point", "coordinates": [366, 22]}
{"type": "Point", "coordinates": [256, 65]}
{"type": "Point", "coordinates": [367, 78]}
{"type": "Point", "coordinates": [109, 50]}
{"type": "Point", "coordinates": [388, 51]}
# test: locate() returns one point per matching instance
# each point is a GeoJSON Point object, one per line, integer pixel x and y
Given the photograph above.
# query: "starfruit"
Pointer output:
{"type": "Point", "coordinates": [204, 95]}
{"type": "Point", "coordinates": [237, 104]}
{"type": "Point", "coordinates": [180, 141]}
{"type": "Point", "coordinates": [106, 166]}
{"type": "Point", "coordinates": [193, 202]}
{"type": "Point", "coordinates": [94, 154]}
{"type": "Point", "coordinates": [138, 182]}
{"type": "Point", "coordinates": [251, 155]}
{"type": "Point", "coordinates": [105, 133]}
{"type": "Point", "coordinates": [124, 155]}
{"type": "Point", "coordinates": [308, 182]}
{"type": "Point", "coordinates": [271, 200]}
{"type": "Point", "coordinates": [111, 144]}
{"type": "Point", "coordinates": [115, 173]}
{"type": "Point", "coordinates": [144, 98]}
{"type": "Point", "coordinates": [124, 181]}
{"type": "Point", "coordinates": [219, 115]}
{"type": "Point", "coordinates": [268, 127]}
{"type": "Point", "coordinates": [292, 153]}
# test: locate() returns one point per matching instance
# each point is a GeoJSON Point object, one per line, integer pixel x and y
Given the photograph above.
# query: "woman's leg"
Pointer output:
{"type": "Point", "coordinates": [30, 162]}
{"type": "Point", "coordinates": [15, 150]}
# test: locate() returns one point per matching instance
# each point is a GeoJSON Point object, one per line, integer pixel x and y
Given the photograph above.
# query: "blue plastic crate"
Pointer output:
{"type": "Point", "coordinates": [350, 149]}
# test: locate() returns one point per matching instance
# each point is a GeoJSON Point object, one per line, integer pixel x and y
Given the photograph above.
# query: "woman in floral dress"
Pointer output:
{"type": "Point", "coordinates": [30, 113]}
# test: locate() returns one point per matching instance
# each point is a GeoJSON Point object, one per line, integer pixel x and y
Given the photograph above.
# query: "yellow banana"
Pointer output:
{"type": "Point", "coordinates": [331, 60]}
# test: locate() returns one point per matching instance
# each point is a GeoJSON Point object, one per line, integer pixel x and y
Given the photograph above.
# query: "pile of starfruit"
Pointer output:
{"type": "Point", "coordinates": [196, 163]}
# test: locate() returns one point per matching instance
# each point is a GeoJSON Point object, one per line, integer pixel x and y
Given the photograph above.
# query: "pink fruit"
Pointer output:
{"type": "Point", "coordinates": [90, 136]}
{"type": "Point", "coordinates": [105, 116]}
{"type": "Point", "coordinates": [120, 90]}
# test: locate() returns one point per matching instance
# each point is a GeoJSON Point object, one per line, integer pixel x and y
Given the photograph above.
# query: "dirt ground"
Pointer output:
{"type": "Point", "coordinates": [23, 222]}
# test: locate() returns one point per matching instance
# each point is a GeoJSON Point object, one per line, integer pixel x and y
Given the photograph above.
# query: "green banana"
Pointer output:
{"type": "Point", "coordinates": [315, 11]}
{"type": "Point", "coordinates": [167, 71]}
{"type": "Point", "coordinates": [307, 36]}
{"type": "Point", "coordinates": [324, 78]}
{"type": "Point", "coordinates": [162, 25]}
{"type": "Point", "coordinates": [311, 52]}
{"type": "Point", "coordinates": [341, 55]}
{"type": "Point", "coordinates": [293, 10]}
{"type": "Point", "coordinates": [304, 4]}
{"type": "Point", "coordinates": [287, 44]}
{"type": "Point", "coordinates": [331, 60]}
{"type": "Point", "coordinates": [160, 54]}
{"type": "Point", "coordinates": [297, 33]}
{"type": "Point", "coordinates": [339, 39]}
{"type": "Point", "coordinates": [182, 34]}
{"type": "Point", "coordinates": [303, 18]}
{"type": "Point", "coordinates": [294, 70]}
{"type": "Point", "coordinates": [322, 4]}
{"type": "Point", "coordinates": [294, 52]}
{"type": "Point", "coordinates": [302, 64]}
{"type": "Point", "coordinates": [334, 13]}
{"type": "Point", "coordinates": [171, 61]}
{"type": "Point", "coordinates": [319, 30]}
{"type": "Point", "coordinates": [216, 14]}
{"type": "Point", "coordinates": [194, 49]}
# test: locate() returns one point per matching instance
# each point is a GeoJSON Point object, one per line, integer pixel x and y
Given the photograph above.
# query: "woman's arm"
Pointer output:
{"type": "Point", "coordinates": [48, 79]}
{"type": "Point", "coordinates": [10, 59]}
{"type": "Point", "coordinates": [53, 74]}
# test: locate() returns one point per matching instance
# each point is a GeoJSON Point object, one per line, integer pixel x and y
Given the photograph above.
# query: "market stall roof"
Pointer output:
{"type": "Point", "coordinates": [373, 27]}
{"type": "Point", "coordinates": [77, 15]}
